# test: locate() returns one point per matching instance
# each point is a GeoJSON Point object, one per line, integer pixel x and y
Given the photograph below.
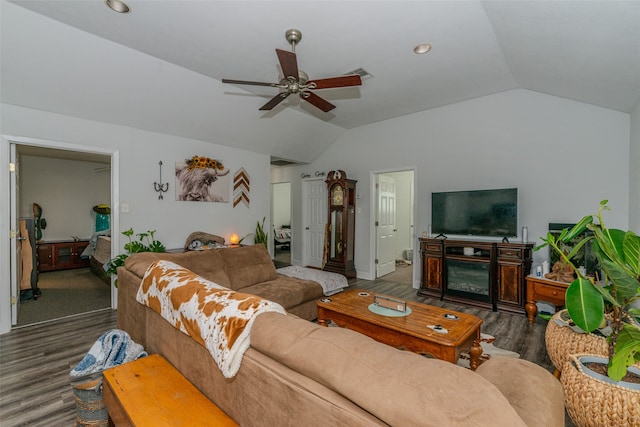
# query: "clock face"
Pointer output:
{"type": "Point", "coordinates": [337, 195]}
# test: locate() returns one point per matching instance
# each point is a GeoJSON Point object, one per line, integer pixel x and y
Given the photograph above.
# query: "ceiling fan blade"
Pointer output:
{"type": "Point", "coordinates": [288, 62]}
{"type": "Point", "coordinates": [342, 81]}
{"type": "Point", "coordinates": [317, 101]}
{"type": "Point", "coordinates": [275, 101]}
{"type": "Point", "coordinates": [244, 82]}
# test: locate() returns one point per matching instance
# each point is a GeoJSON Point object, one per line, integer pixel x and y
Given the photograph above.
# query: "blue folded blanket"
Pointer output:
{"type": "Point", "coordinates": [113, 348]}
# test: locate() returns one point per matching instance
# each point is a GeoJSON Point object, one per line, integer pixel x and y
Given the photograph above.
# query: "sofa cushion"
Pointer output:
{"type": "Point", "coordinates": [386, 382]}
{"type": "Point", "coordinates": [248, 265]}
{"type": "Point", "coordinates": [540, 402]}
{"type": "Point", "coordinates": [206, 263]}
{"type": "Point", "coordinates": [286, 291]}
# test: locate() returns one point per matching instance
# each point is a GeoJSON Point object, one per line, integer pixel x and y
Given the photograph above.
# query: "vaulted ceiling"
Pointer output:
{"type": "Point", "coordinates": [167, 79]}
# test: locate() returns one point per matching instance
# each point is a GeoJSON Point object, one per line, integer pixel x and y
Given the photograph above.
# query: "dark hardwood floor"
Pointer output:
{"type": "Point", "coordinates": [35, 361]}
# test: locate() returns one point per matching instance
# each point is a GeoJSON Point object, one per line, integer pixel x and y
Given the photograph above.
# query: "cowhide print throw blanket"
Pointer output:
{"type": "Point", "coordinates": [216, 317]}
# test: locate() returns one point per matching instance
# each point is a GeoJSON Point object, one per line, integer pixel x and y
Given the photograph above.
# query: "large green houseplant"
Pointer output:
{"type": "Point", "coordinates": [146, 243]}
{"type": "Point", "coordinates": [589, 299]}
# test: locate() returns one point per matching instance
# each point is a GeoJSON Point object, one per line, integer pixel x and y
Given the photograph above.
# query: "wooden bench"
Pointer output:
{"type": "Point", "coordinates": [151, 392]}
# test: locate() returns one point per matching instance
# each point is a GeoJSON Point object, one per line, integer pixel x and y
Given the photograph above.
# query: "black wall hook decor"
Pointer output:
{"type": "Point", "coordinates": [159, 186]}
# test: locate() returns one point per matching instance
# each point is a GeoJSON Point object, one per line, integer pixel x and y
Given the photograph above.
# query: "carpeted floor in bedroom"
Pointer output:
{"type": "Point", "coordinates": [65, 293]}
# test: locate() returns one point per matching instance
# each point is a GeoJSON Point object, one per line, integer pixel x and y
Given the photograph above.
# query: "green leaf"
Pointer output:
{"type": "Point", "coordinates": [543, 245]}
{"type": "Point", "coordinates": [579, 246]}
{"type": "Point", "coordinates": [549, 241]}
{"type": "Point", "coordinates": [260, 236]}
{"type": "Point", "coordinates": [584, 304]}
{"type": "Point", "coordinates": [626, 352]}
{"type": "Point", "coordinates": [576, 230]}
{"type": "Point", "coordinates": [616, 237]}
{"type": "Point", "coordinates": [134, 247]}
{"type": "Point", "coordinates": [631, 250]}
{"type": "Point", "coordinates": [156, 246]}
{"type": "Point", "coordinates": [626, 286]}
{"type": "Point", "coordinates": [610, 243]}
{"type": "Point", "coordinates": [563, 233]}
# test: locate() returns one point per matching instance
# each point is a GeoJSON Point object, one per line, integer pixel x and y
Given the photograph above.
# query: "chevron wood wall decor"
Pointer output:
{"type": "Point", "coordinates": [241, 187]}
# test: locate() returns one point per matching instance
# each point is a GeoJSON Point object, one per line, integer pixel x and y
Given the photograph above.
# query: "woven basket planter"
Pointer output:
{"type": "Point", "coordinates": [593, 402]}
{"type": "Point", "coordinates": [562, 342]}
{"type": "Point", "coordinates": [90, 409]}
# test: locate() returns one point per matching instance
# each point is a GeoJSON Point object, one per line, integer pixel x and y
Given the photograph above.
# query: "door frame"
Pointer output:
{"type": "Point", "coordinates": [373, 206]}
{"type": "Point", "coordinates": [7, 257]}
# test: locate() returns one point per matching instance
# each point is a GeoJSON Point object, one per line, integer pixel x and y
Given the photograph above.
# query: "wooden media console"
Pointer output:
{"type": "Point", "coordinates": [487, 274]}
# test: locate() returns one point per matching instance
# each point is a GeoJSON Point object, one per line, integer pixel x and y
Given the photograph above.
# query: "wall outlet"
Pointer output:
{"type": "Point", "coordinates": [124, 207]}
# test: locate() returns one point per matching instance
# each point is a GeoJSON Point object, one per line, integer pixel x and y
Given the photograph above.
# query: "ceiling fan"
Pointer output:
{"type": "Point", "coordinates": [296, 81]}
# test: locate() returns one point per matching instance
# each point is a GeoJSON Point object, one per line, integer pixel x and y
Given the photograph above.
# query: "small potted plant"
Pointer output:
{"type": "Point", "coordinates": [260, 236]}
{"type": "Point", "coordinates": [592, 301]}
{"type": "Point", "coordinates": [146, 243]}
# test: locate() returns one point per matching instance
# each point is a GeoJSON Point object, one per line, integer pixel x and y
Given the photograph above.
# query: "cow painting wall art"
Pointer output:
{"type": "Point", "coordinates": [202, 179]}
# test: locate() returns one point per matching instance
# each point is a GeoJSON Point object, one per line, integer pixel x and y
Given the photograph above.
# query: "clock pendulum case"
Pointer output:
{"type": "Point", "coordinates": [340, 236]}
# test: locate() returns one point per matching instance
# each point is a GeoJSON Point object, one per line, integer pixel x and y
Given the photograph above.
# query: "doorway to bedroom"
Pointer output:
{"type": "Point", "coordinates": [63, 192]}
{"type": "Point", "coordinates": [394, 225]}
{"type": "Point", "coordinates": [281, 223]}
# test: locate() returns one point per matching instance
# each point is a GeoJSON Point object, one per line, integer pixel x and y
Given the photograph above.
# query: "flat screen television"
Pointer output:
{"type": "Point", "coordinates": [475, 213]}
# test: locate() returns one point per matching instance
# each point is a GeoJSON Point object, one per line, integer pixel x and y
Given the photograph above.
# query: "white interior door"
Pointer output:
{"type": "Point", "coordinates": [315, 219]}
{"type": "Point", "coordinates": [15, 236]}
{"type": "Point", "coordinates": [385, 225]}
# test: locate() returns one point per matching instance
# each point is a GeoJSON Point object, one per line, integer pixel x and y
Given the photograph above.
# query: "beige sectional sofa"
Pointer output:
{"type": "Point", "coordinates": [247, 269]}
{"type": "Point", "coordinates": [299, 373]}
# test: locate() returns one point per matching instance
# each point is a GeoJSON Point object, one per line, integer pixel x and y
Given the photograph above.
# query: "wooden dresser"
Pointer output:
{"type": "Point", "coordinates": [62, 255]}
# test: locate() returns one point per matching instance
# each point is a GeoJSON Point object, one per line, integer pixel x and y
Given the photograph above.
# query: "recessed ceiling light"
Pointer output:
{"type": "Point", "coordinates": [422, 48]}
{"type": "Point", "coordinates": [117, 5]}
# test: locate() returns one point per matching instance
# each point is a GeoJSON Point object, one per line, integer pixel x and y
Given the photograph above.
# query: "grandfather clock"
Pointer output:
{"type": "Point", "coordinates": [340, 238]}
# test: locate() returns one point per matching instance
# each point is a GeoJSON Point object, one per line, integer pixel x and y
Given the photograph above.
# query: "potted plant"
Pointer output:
{"type": "Point", "coordinates": [259, 236]}
{"type": "Point", "coordinates": [619, 255]}
{"type": "Point", "coordinates": [146, 243]}
{"type": "Point", "coordinates": [592, 302]}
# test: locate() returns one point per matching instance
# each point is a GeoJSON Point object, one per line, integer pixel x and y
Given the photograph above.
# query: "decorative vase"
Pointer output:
{"type": "Point", "coordinates": [594, 400]}
{"type": "Point", "coordinates": [562, 341]}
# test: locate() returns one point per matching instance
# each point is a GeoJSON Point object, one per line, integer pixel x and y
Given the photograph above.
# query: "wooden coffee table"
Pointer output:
{"type": "Point", "coordinates": [350, 309]}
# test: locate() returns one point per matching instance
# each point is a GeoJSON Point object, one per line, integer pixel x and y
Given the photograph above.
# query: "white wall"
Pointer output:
{"type": "Point", "coordinates": [634, 172]}
{"type": "Point", "coordinates": [139, 153]}
{"type": "Point", "coordinates": [550, 148]}
{"type": "Point", "coordinates": [66, 190]}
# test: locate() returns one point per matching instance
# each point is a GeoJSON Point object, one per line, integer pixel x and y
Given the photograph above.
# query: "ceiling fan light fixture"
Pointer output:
{"type": "Point", "coordinates": [296, 81]}
{"type": "Point", "coordinates": [118, 6]}
{"type": "Point", "coordinates": [422, 48]}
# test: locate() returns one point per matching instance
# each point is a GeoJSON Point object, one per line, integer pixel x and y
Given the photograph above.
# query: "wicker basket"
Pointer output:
{"type": "Point", "coordinates": [90, 409]}
{"type": "Point", "coordinates": [562, 341]}
{"type": "Point", "coordinates": [592, 402]}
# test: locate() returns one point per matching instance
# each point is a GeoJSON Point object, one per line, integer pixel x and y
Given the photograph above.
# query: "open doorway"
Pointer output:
{"type": "Point", "coordinates": [69, 195]}
{"type": "Point", "coordinates": [281, 223]}
{"type": "Point", "coordinates": [394, 225]}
